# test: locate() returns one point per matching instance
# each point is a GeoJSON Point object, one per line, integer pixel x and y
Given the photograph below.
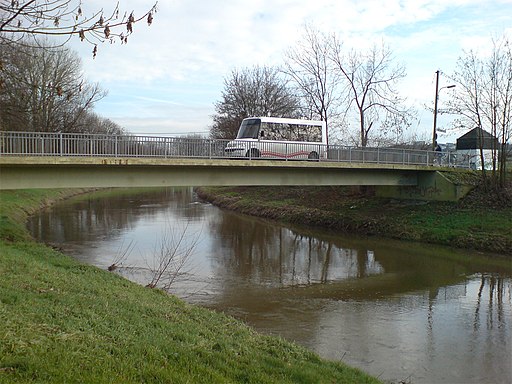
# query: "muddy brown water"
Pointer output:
{"type": "Point", "coordinates": [398, 310]}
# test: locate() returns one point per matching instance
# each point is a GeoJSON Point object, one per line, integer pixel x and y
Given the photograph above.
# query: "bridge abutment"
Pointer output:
{"type": "Point", "coordinates": [432, 186]}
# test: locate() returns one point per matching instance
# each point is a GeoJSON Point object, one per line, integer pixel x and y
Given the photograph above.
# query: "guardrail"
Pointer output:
{"type": "Point", "coordinates": [101, 145]}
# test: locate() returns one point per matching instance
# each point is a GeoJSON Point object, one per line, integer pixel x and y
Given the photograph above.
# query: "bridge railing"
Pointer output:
{"type": "Point", "coordinates": [76, 144]}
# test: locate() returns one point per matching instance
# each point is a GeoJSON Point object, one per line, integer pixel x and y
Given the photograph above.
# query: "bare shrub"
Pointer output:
{"type": "Point", "coordinates": [121, 256]}
{"type": "Point", "coordinates": [172, 256]}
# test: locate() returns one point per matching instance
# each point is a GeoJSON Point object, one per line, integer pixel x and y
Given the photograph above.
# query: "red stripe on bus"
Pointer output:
{"type": "Point", "coordinates": [284, 156]}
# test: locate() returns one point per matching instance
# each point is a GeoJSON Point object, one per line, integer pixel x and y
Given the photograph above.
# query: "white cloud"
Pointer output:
{"type": "Point", "coordinates": [173, 71]}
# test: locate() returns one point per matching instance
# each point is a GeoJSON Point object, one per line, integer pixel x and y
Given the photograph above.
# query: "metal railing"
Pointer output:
{"type": "Point", "coordinates": [101, 145]}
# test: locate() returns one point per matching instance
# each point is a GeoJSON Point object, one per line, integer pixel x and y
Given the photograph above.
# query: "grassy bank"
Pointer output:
{"type": "Point", "coordinates": [61, 321]}
{"type": "Point", "coordinates": [477, 222]}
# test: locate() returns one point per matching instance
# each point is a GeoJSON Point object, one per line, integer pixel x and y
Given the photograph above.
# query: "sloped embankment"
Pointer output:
{"type": "Point", "coordinates": [477, 221]}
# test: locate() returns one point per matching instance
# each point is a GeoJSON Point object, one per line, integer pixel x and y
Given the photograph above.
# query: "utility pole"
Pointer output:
{"type": "Point", "coordinates": [434, 133]}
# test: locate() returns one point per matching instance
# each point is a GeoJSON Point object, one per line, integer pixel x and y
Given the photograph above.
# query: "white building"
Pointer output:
{"type": "Point", "coordinates": [469, 146]}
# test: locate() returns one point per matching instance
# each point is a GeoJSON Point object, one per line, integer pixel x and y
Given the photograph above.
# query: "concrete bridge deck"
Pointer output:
{"type": "Point", "coordinates": [25, 172]}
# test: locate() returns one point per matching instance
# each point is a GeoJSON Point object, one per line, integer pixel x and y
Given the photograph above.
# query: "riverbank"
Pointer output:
{"type": "Point", "coordinates": [479, 221]}
{"type": "Point", "coordinates": [62, 321]}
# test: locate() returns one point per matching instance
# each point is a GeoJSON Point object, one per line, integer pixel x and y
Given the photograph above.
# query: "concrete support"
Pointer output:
{"type": "Point", "coordinates": [431, 186]}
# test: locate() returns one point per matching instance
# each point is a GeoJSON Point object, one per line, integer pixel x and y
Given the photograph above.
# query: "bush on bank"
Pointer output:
{"type": "Point", "coordinates": [62, 321]}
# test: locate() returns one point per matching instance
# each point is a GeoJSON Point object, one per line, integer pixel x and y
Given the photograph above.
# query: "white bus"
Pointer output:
{"type": "Point", "coordinates": [279, 138]}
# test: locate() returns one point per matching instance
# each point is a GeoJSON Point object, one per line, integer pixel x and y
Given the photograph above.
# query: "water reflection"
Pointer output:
{"type": "Point", "coordinates": [266, 255]}
{"type": "Point", "coordinates": [397, 310]}
{"type": "Point", "coordinates": [431, 338]}
{"type": "Point", "coordinates": [277, 256]}
{"type": "Point", "coordinates": [83, 219]}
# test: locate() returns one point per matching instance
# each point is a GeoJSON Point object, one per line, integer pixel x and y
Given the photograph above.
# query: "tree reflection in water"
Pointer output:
{"type": "Point", "coordinates": [497, 289]}
{"type": "Point", "coordinates": [278, 256]}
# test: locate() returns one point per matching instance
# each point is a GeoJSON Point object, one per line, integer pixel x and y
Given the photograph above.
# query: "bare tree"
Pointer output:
{"type": "Point", "coordinates": [483, 99]}
{"type": "Point", "coordinates": [309, 66]}
{"type": "Point", "coordinates": [90, 122]}
{"type": "Point", "coordinates": [20, 19]}
{"type": "Point", "coordinates": [256, 91]}
{"type": "Point", "coordinates": [43, 90]}
{"type": "Point", "coordinates": [499, 96]}
{"type": "Point", "coordinates": [370, 80]}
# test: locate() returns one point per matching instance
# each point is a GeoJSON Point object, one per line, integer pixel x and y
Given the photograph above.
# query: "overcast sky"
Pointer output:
{"type": "Point", "coordinates": [169, 75]}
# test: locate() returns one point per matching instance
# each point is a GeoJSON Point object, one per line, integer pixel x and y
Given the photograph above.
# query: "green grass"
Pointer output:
{"type": "Point", "coordinates": [483, 229]}
{"type": "Point", "coordinates": [64, 322]}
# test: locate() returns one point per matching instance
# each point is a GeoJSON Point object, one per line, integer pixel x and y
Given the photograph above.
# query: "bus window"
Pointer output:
{"type": "Point", "coordinates": [277, 131]}
{"type": "Point", "coordinates": [249, 129]}
{"type": "Point", "coordinates": [300, 132]}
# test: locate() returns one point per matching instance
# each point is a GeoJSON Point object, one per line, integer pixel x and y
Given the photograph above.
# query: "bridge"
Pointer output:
{"type": "Point", "coordinates": [31, 160]}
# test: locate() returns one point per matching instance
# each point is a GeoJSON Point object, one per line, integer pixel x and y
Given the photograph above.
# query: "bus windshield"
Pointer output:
{"type": "Point", "coordinates": [249, 129]}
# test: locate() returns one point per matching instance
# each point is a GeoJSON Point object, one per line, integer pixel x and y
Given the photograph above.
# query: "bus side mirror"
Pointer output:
{"type": "Point", "coordinates": [262, 134]}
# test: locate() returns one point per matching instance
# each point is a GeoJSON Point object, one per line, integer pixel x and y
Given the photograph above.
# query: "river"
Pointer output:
{"type": "Point", "coordinates": [398, 310]}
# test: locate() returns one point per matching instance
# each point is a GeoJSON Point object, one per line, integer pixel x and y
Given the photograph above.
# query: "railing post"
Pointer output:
{"type": "Point", "coordinates": [61, 144]}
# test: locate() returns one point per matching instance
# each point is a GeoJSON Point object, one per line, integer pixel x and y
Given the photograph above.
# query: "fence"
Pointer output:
{"type": "Point", "coordinates": [74, 144]}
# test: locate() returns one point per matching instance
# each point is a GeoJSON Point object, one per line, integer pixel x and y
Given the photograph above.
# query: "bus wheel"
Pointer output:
{"type": "Point", "coordinates": [313, 156]}
{"type": "Point", "coordinates": [253, 153]}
